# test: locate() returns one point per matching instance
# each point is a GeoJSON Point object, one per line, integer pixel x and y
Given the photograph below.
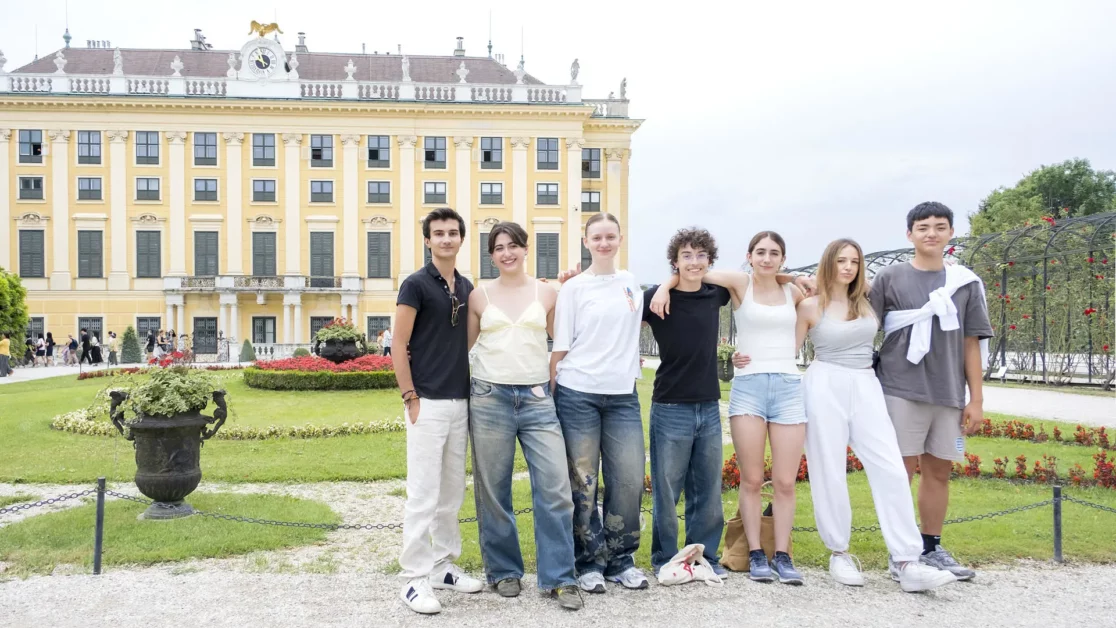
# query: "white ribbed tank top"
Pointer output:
{"type": "Point", "coordinates": [766, 334]}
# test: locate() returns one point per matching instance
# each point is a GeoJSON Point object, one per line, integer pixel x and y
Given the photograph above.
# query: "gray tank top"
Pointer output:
{"type": "Point", "coordinates": [844, 343]}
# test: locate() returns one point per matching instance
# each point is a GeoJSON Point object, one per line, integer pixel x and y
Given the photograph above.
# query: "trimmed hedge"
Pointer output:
{"type": "Point", "coordinates": [318, 380]}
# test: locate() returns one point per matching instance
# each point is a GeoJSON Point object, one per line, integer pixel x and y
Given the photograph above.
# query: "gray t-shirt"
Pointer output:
{"type": "Point", "coordinates": [939, 378]}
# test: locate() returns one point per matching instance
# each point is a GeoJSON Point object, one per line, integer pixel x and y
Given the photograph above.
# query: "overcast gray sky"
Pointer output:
{"type": "Point", "coordinates": [816, 119]}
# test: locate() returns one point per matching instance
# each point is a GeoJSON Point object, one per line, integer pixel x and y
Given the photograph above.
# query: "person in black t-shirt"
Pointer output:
{"type": "Point", "coordinates": [686, 442]}
{"type": "Point", "coordinates": [432, 369]}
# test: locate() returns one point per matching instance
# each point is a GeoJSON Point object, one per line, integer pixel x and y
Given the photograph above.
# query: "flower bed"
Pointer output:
{"type": "Point", "coordinates": [107, 373]}
{"type": "Point", "coordinates": [1018, 430]}
{"type": "Point", "coordinates": [313, 364]}
{"type": "Point", "coordinates": [1044, 471]}
{"type": "Point", "coordinates": [85, 422]}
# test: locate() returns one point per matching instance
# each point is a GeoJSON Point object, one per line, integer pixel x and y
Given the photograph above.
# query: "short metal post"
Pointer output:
{"type": "Point", "coordinates": [99, 531]}
{"type": "Point", "coordinates": [1057, 524]}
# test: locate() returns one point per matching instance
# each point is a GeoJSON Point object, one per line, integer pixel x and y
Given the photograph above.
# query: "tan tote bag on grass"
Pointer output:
{"type": "Point", "coordinates": [735, 557]}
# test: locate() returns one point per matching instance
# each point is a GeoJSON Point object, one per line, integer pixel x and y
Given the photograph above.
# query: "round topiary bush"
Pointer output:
{"type": "Point", "coordinates": [247, 353]}
{"type": "Point", "coordinates": [301, 352]}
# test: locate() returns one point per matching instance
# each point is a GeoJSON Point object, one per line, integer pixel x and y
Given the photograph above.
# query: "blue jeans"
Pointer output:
{"type": "Point", "coordinates": [603, 432]}
{"type": "Point", "coordinates": [498, 414]}
{"type": "Point", "coordinates": [686, 454]}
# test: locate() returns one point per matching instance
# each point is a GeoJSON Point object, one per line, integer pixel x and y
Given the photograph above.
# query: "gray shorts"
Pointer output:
{"type": "Point", "coordinates": [925, 428]}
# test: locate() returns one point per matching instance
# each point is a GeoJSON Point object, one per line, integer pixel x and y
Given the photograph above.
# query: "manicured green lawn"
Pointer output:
{"type": "Point", "coordinates": [1021, 535]}
{"type": "Point", "coordinates": [37, 544]}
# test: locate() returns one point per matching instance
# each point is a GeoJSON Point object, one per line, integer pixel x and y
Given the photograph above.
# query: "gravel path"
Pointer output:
{"type": "Point", "coordinates": [1029, 594]}
{"type": "Point", "coordinates": [1049, 404]}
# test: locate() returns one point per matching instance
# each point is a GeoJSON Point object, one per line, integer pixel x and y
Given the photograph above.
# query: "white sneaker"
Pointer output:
{"type": "Point", "coordinates": [845, 571]}
{"type": "Point", "coordinates": [591, 582]}
{"type": "Point", "coordinates": [419, 597]}
{"type": "Point", "coordinates": [630, 578]}
{"type": "Point", "coordinates": [453, 579]}
{"type": "Point", "coordinates": [916, 576]}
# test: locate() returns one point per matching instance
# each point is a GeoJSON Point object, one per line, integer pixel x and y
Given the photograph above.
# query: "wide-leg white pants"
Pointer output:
{"type": "Point", "coordinates": [846, 408]}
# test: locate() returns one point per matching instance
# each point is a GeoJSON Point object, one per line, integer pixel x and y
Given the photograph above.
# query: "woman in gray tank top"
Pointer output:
{"type": "Point", "coordinates": [845, 407]}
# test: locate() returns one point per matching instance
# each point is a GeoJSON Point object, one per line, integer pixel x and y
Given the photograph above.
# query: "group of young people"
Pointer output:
{"type": "Point", "coordinates": [575, 412]}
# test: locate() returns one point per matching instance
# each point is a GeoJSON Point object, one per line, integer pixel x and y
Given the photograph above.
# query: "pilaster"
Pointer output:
{"type": "Point", "coordinates": [60, 276]}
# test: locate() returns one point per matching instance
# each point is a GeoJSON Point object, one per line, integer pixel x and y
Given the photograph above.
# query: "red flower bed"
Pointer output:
{"type": "Point", "coordinates": [313, 363]}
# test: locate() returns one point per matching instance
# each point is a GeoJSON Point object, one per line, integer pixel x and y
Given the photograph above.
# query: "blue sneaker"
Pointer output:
{"type": "Point", "coordinates": [719, 570]}
{"type": "Point", "coordinates": [785, 568]}
{"type": "Point", "coordinates": [758, 569]}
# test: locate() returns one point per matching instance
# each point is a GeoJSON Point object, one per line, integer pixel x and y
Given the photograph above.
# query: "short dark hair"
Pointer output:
{"type": "Point", "coordinates": [83, 329]}
{"type": "Point", "coordinates": [696, 238]}
{"type": "Point", "coordinates": [517, 234]}
{"type": "Point", "coordinates": [778, 239]}
{"type": "Point", "coordinates": [445, 213]}
{"type": "Point", "coordinates": [929, 209]}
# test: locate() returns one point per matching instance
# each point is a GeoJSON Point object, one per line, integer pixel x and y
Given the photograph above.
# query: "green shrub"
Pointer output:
{"type": "Point", "coordinates": [318, 380]}
{"type": "Point", "coordinates": [130, 351]}
{"type": "Point", "coordinates": [301, 352]}
{"type": "Point", "coordinates": [247, 353]}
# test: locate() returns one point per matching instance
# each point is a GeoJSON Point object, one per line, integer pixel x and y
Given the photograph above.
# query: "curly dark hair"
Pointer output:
{"type": "Point", "coordinates": [698, 239]}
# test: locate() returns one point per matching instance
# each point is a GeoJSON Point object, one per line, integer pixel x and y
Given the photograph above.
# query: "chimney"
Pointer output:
{"type": "Point", "coordinates": [460, 51]}
{"type": "Point", "coordinates": [301, 47]}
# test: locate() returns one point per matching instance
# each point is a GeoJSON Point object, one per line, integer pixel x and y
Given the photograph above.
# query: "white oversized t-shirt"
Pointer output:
{"type": "Point", "coordinates": [597, 322]}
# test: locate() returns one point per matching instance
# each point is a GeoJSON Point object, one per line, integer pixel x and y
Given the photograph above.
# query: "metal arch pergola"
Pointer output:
{"type": "Point", "coordinates": [1072, 254]}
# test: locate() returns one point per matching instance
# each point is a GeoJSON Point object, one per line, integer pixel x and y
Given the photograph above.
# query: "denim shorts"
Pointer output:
{"type": "Point", "coordinates": [774, 397]}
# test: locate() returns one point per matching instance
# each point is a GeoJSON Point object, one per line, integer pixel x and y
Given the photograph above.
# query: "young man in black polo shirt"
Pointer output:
{"type": "Point", "coordinates": [432, 369]}
{"type": "Point", "coordinates": [686, 441]}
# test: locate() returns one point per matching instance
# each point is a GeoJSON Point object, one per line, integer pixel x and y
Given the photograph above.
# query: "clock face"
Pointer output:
{"type": "Point", "coordinates": [262, 62]}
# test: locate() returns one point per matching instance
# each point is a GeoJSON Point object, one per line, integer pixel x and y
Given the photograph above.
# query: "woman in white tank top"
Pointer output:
{"type": "Point", "coordinates": [509, 321]}
{"type": "Point", "coordinates": [766, 399]}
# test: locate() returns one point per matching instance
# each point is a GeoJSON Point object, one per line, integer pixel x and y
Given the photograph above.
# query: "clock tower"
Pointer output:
{"type": "Point", "coordinates": [261, 71]}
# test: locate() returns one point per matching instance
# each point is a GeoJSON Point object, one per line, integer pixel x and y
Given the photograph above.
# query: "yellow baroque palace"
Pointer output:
{"type": "Point", "coordinates": [260, 192]}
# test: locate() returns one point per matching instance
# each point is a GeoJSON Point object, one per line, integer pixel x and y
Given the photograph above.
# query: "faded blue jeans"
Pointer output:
{"type": "Point", "coordinates": [686, 455]}
{"type": "Point", "coordinates": [498, 414]}
{"type": "Point", "coordinates": [603, 432]}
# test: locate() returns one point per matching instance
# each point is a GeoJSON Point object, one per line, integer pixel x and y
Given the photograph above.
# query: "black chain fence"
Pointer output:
{"type": "Point", "coordinates": [101, 492]}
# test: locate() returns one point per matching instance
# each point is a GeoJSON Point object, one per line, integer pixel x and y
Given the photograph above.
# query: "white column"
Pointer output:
{"type": "Point", "coordinates": [234, 325]}
{"type": "Point", "coordinates": [292, 185]}
{"type": "Point", "coordinates": [286, 322]}
{"type": "Point", "coordinates": [615, 178]}
{"type": "Point", "coordinates": [407, 219]}
{"type": "Point", "coordinates": [350, 231]}
{"type": "Point", "coordinates": [573, 201]}
{"type": "Point", "coordinates": [180, 324]}
{"type": "Point", "coordinates": [463, 164]}
{"type": "Point", "coordinates": [60, 201]}
{"type": "Point", "coordinates": [118, 210]}
{"type": "Point", "coordinates": [6, 250]}
{"type": "Point", "coordinates": [519, 179]}
{"type": "Point", "coordinates": [234, 197]}
{"type": "Point", "coordinates": [177, 166]}
{"type": "Point", "coordinates": [169, 320]}
{"type": "Point", "coordinates": [298, 322]}
{"type": "Point", "coordinates": [223, 317]}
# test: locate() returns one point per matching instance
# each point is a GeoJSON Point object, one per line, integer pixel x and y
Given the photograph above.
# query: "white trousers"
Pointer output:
{"type": "Point", "coordinates": [436, 446]}
{"type": "Point", "coordinates": [846, 408]}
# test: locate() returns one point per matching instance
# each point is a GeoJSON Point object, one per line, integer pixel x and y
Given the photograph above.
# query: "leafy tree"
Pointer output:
{"type": "Point", "coordinates": [247, 353]}
{"type": "Point", "coordinates": [13, 304]}
{"type": "Point", "coordinates": [130, 352]}
{"type": "Point", "coordinates": [1066, 190]}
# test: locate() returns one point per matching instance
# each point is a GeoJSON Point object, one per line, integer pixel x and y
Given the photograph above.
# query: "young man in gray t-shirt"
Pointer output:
{"type": "Point", "coordinates": [926, 400]}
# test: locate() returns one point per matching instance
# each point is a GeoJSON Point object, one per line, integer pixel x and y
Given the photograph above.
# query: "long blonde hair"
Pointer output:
{"type": "Point", "coordinates": [827, 278]}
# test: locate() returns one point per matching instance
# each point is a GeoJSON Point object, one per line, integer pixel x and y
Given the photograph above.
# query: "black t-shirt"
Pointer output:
{"type": "Point", "coordinates": [687, 341]}
{"type": "Point", "coordinates": [439, 349]}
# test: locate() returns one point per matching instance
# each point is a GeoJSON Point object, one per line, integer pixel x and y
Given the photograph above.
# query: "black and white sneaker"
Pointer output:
{"type": "Point", "coordinates": [419, 597]}
{"type": "Point", "coordinates": [453, 579]}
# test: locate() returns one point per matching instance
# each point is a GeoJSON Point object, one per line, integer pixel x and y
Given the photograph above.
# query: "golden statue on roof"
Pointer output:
{"type": "Point", "coordinates": [263, 29]}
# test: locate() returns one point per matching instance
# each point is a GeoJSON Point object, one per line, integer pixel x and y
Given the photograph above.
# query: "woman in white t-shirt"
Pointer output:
{"type": "Point", "coordinates": [594, 365]}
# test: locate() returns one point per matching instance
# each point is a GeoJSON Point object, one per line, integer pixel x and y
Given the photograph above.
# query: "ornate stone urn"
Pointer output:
{"type": "Point", "coordinates": [338, 351]}
{"type": "Point", "coordinates": [168, 453]}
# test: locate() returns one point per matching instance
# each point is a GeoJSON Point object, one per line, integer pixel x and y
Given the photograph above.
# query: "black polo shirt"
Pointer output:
{"type": "Point", "coordinates": [687, 341]}
{"type": "Point", "coordinates": [439, 349]}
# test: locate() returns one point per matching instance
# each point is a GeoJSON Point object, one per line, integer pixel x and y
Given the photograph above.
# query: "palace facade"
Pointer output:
{"type": "Point", "coordinates": [260, 192]}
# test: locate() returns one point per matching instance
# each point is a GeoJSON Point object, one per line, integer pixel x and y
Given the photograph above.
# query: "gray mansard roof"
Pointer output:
{"type": "Point", "coordinates": [313, 66]}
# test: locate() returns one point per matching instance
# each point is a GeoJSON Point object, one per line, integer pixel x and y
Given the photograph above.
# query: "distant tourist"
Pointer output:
{"type": "Point", "coordinates": [5, 354]}
{"type": "Point", "coordinates": [50, 349]}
